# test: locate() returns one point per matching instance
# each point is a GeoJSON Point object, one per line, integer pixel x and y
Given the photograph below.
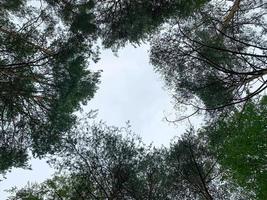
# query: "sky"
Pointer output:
{"type": "Point", "coordinates": [129, 91]}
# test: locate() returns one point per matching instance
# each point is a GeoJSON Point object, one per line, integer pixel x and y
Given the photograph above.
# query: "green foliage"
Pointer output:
{"type": "Point", "coordinates": [77, 15]}
{"type": "Point", "coordinates": [133, 21]}
{"type": "Point", "coordinates": [44, 75]}
{"type": "Point", "coordinates": [240, 143]}
{"type": "Point", "coordinates": [15, 157]}
{"type": "Point", "coordinates": [12, 5]}
{"type": "Point", "coordinates": [104, 158]}
{"type": "Point", "coordinates": [30, 192]}
{"type": "Point", "coordinates": [44, 79]}
{"type": "Point", "coordinates": [194, 171]}
{"type": "Point", "coordinates": [102, 162]}
{"type": "Point", "coordinates": [208, 87]}
{"type": "Point", "coordinates": [189, 75]}
{"type": "Point", "coordinates": [58, 188]}
{"type": "Point", "coordinates": [209, 62]}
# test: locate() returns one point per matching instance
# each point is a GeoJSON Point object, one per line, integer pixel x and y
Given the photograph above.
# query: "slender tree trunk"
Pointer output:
{"type": "Point", "coordinates": [230, 15]}
{"type": "Point", "coordinates": [203, 185]}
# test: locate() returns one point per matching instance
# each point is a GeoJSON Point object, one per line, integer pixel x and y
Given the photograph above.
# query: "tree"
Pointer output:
{"type": "Point", "coordinates": [114, 161]}
{"type": "Point", "coordinates": [58, 188]}
{"type": "Point", "coordinates": [194, 172]}
{"type": "Point", "coordinates": [216, 58]}
{"type": "Point", "coordinates": [132, 21]}
{"type": "Point", "coordinates": [190, 173]}
{"type": "Point", "coordinates": [240, 144]}
{"type": "Point", "coordinates": [12, 157]}
{"type": "Point", "coordinates": [44, 74]}
{"type": "Point", "coordinates": [102, 162]}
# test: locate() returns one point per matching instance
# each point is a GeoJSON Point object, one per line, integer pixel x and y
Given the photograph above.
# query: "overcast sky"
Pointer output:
{"type": "Point", "coordinates": [129, 90]}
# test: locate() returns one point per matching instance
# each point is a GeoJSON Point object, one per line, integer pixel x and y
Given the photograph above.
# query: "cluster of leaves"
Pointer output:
{"type": "Point", "coordinates": [133, 21]}
{"type": "Point", "coordinates": [240, 143]}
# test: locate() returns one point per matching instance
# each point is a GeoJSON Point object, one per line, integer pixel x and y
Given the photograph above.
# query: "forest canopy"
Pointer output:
{"type": "Point", "coordinates": [104, 162]}
{"type": "Point", "coordinates": [212, 57]}
{"type": "Point", "coordinates": [46, 47]}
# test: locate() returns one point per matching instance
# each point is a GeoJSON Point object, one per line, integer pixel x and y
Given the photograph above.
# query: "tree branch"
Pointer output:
{"type": "Point", "coordinates": [15, 35]}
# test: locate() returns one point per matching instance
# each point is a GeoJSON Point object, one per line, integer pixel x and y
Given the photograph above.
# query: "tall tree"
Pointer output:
{"type": "Point", "coordinates": [240, 143]}
{"type": "Point", "coordinates": [215, 58]}
{"type": "Point", "coordinates": [113, 161]}
{"type": "Point", "coordinates": [190, 173]}
{"type": "Point", "coordinates": [44, 74]}
{"type": "Point", "coordinates": [194, 172]}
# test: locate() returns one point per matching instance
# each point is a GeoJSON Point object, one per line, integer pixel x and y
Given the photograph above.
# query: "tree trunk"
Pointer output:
{"type": "Point", "coordinates": [230, 15]}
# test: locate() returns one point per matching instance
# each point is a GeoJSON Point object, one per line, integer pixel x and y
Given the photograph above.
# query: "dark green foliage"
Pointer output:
{"type": "Point", "coordinates": [44, 78]}
{"type": "Point", "coordinates": [133, 21]}
{"type": "Point", "coordinates": [12, 5]}
{"type": "Point", "coordinates": [188, 75]}
{"type": "Point", "coordinates": [59, 187]}
{"type": "Point", "coordinates": [77, 15]}
{"type": "Point", "coordinates": [240, 143]}
{"type": "Point", "coordinates": [12, 156]}
{"type": "Point", "coordinates": [213, 56]}
{"type": "Point", "coordinates": [44, 75]}
{"type": "Point", "coordinates": [209, 88]}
